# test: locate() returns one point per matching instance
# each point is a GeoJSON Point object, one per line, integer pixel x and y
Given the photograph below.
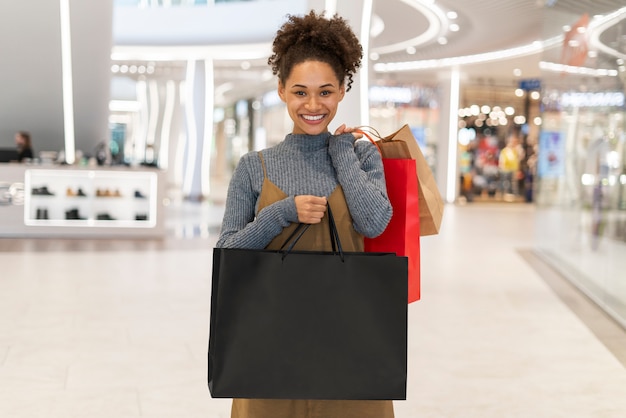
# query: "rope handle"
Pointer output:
{"type": "Point", "coordinates": [368, 132]}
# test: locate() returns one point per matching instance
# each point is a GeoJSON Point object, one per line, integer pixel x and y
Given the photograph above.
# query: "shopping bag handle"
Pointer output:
{"type": "Point", "coordinates": [368, 132]}
{"type": "Point", "coordinates": [297, 233]}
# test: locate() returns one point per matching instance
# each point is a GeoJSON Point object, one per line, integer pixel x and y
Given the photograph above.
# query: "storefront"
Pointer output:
{"type": "Point", "coordinates": [582, 186]}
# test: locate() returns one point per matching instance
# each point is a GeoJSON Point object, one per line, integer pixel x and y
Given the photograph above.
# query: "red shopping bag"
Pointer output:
{"type": "Point", "coordinates": [402, 235]}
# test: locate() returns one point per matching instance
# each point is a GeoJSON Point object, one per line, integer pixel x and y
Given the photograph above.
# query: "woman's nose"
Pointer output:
{"type": "Point", "coordinates": [312, 103]}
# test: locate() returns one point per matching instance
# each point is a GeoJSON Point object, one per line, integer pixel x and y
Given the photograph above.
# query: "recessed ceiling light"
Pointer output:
{"type": "Point", "coordinates": [443, 40]}
{"type": "Point", "coordinates": [411, 50]}
{"type": "Point", "coordinates": [452, 15]}
{"type": "Point", "coordinates": [454, 27]}
{"type": "Point", "coordinates": [517, 72]}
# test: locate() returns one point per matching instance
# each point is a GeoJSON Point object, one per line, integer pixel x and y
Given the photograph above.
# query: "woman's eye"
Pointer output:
{"type": "Point", "coordinates": [325, 93]}
{"type": "Point", "coordinates": [300, 93]}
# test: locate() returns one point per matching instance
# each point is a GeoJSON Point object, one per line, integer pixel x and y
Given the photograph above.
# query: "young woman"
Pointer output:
{"type": "Point", "coordinates": [274, 190]}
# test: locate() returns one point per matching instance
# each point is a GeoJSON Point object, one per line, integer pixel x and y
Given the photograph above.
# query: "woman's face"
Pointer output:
{"type": "Point", "coordinates": [312, 94]}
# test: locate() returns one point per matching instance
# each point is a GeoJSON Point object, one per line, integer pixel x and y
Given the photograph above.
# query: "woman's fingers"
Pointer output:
{"type": "Point", "coordinates": [310, 209]}
{"type": "Point", "coordinates": [343, 129]}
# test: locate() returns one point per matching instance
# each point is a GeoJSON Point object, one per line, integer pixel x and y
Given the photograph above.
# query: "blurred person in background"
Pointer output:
{"type": "Point", "coordinates": [24, 146]}
{"type": "Point", "coordinates": [509, 164]}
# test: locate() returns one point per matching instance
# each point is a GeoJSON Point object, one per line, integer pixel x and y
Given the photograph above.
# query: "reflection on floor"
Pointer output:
{"type": "Point", "coordinates": [113, 328]}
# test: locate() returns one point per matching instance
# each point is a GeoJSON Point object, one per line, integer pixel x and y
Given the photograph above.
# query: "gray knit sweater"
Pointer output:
{"type": "Point", "coordinates": [311, 165]}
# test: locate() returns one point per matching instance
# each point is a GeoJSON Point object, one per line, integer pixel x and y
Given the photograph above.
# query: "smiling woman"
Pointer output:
{"type": "Point", "coordinates": [294, 182]}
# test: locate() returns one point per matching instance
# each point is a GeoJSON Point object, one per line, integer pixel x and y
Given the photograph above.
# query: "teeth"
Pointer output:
{"type": "Point", "coordinates": [312, 118]}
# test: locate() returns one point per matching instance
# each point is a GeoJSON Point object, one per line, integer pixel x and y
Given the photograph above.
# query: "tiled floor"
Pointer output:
{"type": "Point", "coordinates": [119, 329]}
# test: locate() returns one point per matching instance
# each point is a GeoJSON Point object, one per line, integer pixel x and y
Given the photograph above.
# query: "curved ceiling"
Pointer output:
{"type": "Point", "coordinates": [418, 30]}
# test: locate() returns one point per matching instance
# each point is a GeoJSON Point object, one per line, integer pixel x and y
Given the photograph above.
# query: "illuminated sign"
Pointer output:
{"type": "Point", "coordinates": [382, 94]}
{"type": "Point", "coordinates": [602, 99]}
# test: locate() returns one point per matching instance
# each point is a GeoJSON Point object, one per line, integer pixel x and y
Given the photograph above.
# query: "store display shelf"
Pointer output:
{"type": "Point", "coordinates": [90, 198]}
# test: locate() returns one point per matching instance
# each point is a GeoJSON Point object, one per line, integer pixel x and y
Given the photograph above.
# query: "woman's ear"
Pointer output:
{"type": "Point", "coordinates": [342, 92]}
{"type": "Point", "coordinates": [281, 91]}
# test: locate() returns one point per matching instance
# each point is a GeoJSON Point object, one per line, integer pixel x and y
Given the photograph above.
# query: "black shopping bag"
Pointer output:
{"type": "Point", "coordinates": [308, 325]}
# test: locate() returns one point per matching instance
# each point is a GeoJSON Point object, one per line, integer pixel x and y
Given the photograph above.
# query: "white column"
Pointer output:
{"type": "Point", "coordinates": [199, 116]}
{"type": "Point", "coordinates": [447, 165]}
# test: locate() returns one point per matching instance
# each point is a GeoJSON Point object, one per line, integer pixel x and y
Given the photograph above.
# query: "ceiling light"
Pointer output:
{"type": "Point", "coordinates": [567, 28]}
{"type": "Point", "coordinates": [374, 56]}
{"type": "Point", "coordinates": [535, 95]}
{"type": "Point", "coordinates": [596, 72]}
{"type": "Point", "coordinates": [411, 50]}
{"type": "Point", "coordinates": [454, 27]}
{"type": "Point", "coordinates": [442, 41]}
{"type": "Point", "coordinates": [245, 65]}
{"type": "Point", "coordinates": [519, 92]}
{"type": "Point", "coordinates": [435, 26]}
{"type": "Point", "coordinates": [517, 72]}
{"type": "Point", "coordinates": [452, 15]}
{"type": "Point", "coordinates": [592, 54]}
{"type": "Point", "coordinates": [510, 111]}
{"type": "Point", "coordinates": [377, 26]}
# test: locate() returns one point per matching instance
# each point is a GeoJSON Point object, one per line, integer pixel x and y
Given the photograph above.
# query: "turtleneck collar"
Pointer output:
{"type": "Point", "coordinates": [306, 142]}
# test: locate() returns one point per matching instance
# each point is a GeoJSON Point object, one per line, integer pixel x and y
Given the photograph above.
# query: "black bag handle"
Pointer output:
{"type": "Point", "coordinates": [299, 230]}
{"type": "Point", "coordinates": [302, 228]}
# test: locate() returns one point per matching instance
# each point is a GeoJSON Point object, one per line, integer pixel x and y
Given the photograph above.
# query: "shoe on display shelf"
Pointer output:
{"type": "Point", "coordinates": [41, 191]}
{"type": "Point", "coordinates": [42, 213]}
{"type": "Point", "coordinates": [73, 214]}
{"type": "Point", "coordinates": [104, 217]}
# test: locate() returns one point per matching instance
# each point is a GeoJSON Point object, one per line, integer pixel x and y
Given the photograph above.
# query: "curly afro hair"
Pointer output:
{"type": "Point", "coordinates": [315, 38]}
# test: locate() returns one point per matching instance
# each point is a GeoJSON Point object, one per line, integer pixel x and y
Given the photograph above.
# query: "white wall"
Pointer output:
{"type": "Point", "coordinates": [30, 75]}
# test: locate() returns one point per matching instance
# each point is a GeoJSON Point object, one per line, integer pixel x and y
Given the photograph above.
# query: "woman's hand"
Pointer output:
{"type": "Point", "coordinates": [310, 208]}
{"type": "Point", "coordinates": [343, 129]}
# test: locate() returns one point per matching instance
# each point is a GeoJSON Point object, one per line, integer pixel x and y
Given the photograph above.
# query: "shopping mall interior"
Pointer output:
{"type": "Point", "coordinates": [140, 110]}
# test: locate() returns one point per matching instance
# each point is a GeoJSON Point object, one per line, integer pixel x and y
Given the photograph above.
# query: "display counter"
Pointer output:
{"type": "Point", "coordinates": [89, 202]}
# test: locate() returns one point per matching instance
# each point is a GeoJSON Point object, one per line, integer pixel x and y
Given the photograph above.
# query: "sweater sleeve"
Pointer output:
{"type": "Point", "coordinates": [240, 227]}
{"type": "Point", "coordinates": [360, 172]}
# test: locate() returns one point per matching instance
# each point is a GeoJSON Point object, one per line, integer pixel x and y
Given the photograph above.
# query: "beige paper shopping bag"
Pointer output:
{"type": "Point", "coordinates": [402, 144]}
